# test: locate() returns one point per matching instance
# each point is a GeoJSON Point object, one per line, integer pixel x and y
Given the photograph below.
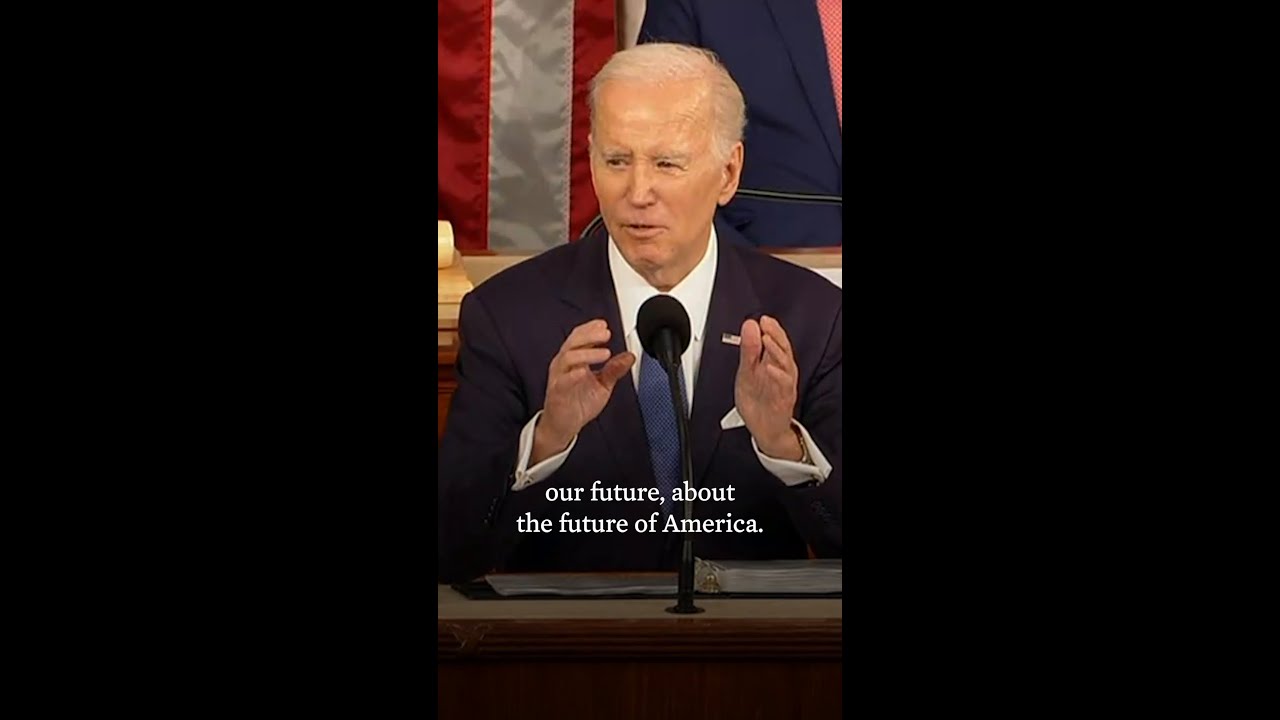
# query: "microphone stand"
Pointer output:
{"type": "Point", "coordinates": [684, 597]}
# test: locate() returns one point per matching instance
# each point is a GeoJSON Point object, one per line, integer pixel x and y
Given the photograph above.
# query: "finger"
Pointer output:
{"type": "Point", "coordinates": [776, 355]}
{"type": "Point", "coordinates": [594, 332]}
{"type": "Point", "coordinates": [615, 369]}
{"type": "Point", "coordinates": [586, 356]}
{"type": "Point", "coordinates": [771, 327]}
{"type": "Point", "coordinates": [750, 348]}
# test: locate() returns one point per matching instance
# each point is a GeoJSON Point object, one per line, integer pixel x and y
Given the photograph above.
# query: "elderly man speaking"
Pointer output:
{"type": "Point", "coordinates": [557, 399]}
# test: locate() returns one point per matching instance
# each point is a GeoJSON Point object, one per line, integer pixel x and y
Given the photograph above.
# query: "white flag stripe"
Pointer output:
{"type": "Point", "coordinates": [530, 113]}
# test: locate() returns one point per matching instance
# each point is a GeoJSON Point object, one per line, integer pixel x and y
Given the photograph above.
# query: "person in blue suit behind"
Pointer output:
{"type": "Point", "coordinates": [781, 53]}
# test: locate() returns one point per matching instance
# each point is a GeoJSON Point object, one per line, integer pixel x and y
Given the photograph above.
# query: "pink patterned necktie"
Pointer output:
{"type": "Point", "coordinates": [830, 11]}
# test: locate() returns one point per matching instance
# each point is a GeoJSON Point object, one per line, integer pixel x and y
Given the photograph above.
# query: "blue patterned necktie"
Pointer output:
{"type": "Point", "coordinates": [660, 426]}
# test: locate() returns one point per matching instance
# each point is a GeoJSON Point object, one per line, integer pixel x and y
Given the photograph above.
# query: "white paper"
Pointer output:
{"type": "Point", "coordinates": [584, 584]}
{"type": "Point", "coordinates": [769, 576]}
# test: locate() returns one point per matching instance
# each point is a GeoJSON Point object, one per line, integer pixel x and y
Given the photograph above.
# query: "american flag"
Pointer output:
{"type": "Point", "coordinates": [513, 169]}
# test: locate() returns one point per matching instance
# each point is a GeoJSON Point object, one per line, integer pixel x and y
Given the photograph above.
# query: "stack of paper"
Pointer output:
{"type": "Point", "coordinates": [584, 584]}
{"type": "Point", "coordinates": [768, 576]}
{"type": "Point", "coordinates": [740, 577]}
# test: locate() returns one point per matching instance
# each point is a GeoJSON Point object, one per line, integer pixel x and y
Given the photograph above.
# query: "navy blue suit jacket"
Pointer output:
{"type": "Point", "coordinates": [775, 51]}
{"type": "Point", "coordinates": [512, 325]}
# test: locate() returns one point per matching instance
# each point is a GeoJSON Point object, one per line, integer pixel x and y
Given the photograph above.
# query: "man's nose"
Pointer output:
{"type": "Point", "coordinates": [640, 191]}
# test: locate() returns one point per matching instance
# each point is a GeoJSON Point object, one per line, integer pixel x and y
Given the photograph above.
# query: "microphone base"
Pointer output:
{"type": "Point", "coordinates": [681, 609]}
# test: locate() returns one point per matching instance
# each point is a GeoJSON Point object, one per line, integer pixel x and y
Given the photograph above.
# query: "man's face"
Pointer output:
{"type": "Point", "coordinates": [656, 176]}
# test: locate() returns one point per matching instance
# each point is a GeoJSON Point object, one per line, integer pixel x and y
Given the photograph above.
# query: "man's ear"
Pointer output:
{"type": "Point", "coordinates": [732, 173]}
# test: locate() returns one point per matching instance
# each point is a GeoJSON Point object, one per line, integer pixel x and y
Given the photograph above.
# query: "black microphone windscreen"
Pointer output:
{"type": "Point", "coordinates": [663, 312]}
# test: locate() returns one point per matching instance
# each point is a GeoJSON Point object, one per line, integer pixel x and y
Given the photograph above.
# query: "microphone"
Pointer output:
{"type": "Point", "coordinates": [663, 326]}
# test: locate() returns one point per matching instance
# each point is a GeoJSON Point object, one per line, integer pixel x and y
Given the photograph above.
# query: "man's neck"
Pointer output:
{"type": "Point", "coordinates": [662, 281]}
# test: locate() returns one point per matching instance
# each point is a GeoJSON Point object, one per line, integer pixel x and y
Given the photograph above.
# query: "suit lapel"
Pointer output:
{"type": "Point", "coordinates": [733, 300]}
{"type": "Point", "coordinates": [801, 30]}
{"type": "Point", "coordinates": [589, 288]}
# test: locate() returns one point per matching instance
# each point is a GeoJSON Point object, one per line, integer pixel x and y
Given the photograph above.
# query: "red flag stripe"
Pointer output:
{"type": "Point", "coordinates": [462, 114]}
{"type": "Point", "coordinates": [594, 41]}
{"type": "Point", "coordinates": [463, 110]}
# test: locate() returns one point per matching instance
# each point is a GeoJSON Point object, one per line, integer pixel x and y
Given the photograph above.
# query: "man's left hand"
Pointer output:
{"type": "Point", "coordinates": [765, 389]}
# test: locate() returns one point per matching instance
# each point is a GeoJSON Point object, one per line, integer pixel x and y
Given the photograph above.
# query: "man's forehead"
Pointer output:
{"type": "Point", "coordinates": [678, 101]}
{"type": "Point", "coordinates": [682, 144]}
{"type": "Point", "coordinates": [652, 117]}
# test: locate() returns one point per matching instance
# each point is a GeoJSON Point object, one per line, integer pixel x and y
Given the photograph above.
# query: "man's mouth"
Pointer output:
{"type": "Point", "coordinates": [641, 227]}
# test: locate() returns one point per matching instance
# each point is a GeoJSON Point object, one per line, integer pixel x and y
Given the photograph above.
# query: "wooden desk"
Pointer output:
{"type": "Point", "coordinates": [623, 659]}
{"type": "Point", "coordinates": [446, 384]}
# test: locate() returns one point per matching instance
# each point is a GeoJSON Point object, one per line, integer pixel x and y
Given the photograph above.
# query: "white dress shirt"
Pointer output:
{"type": "Point", "coordinates": [694, 293]}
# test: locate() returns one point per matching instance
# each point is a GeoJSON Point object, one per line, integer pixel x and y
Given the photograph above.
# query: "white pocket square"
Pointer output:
{"type": "Point", "coordinates": [731, 420]}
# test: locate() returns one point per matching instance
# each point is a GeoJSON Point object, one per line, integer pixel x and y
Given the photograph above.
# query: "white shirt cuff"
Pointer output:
{"type": "Point", "coordinates": [525, 475]}
{"type": "Point", "coordinates": [791, 472]}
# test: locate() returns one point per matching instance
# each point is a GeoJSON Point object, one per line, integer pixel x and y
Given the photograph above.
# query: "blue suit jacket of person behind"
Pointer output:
{"type": "Point", "coordinates": [513, 324]}
{"type": "Point", "coordinates": [775, 51]}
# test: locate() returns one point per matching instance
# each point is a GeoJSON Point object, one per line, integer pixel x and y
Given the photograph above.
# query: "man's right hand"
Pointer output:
{"type": "Point", "coordinates": [576, 394]}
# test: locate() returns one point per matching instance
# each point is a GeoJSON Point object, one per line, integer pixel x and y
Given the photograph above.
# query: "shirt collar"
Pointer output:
{"type": "Point", "coordinates": [693, 292]}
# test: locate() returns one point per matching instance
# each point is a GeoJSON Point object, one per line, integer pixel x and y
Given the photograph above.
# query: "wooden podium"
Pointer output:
{"type": "Point", "coordinates": [622, 659]}
{"type": "Point", "coordinates": [452, 284]}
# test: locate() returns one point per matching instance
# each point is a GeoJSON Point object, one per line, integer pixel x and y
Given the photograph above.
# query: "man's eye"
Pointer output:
{"type": "Point", "coordinates": [614, 162]}
{"type": "Point", "coordinates": [668, 165]}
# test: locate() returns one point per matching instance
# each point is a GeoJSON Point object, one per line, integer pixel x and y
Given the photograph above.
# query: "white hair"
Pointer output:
{"type": "Point", "coordinates": [660, 62]}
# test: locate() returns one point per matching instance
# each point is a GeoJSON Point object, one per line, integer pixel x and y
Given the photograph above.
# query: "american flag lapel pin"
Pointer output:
{"type": "Point", "coordinates": [730, 339]}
